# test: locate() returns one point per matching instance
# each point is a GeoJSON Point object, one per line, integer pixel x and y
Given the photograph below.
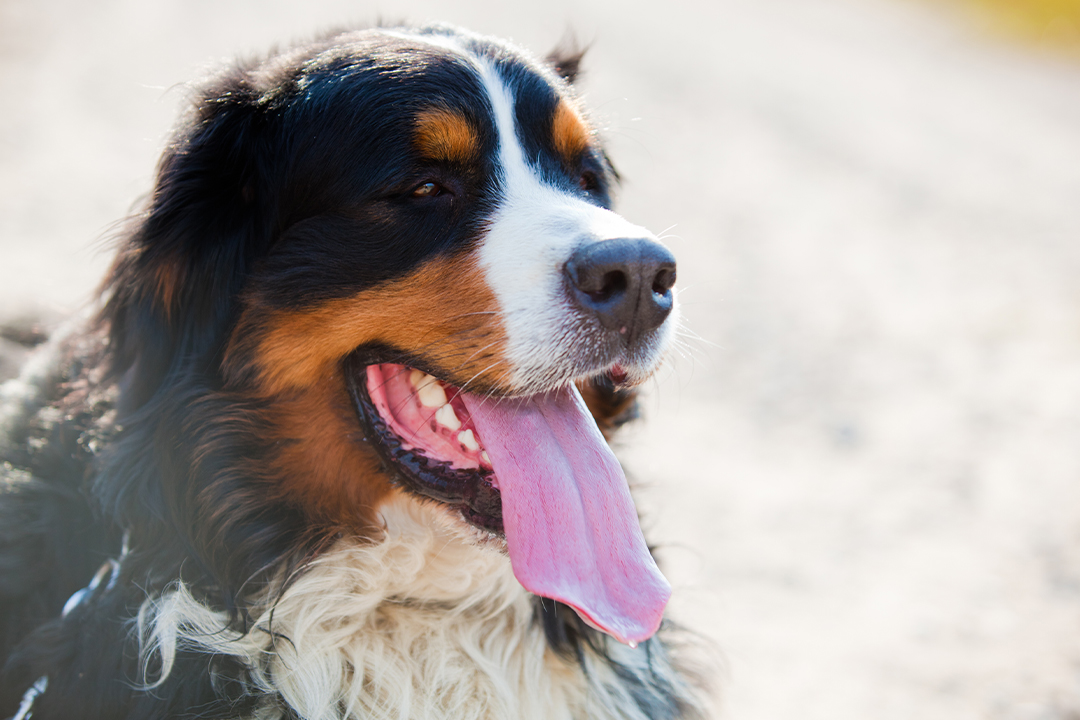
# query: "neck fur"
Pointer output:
{"type": "Point", "coordinates": [425, 624]}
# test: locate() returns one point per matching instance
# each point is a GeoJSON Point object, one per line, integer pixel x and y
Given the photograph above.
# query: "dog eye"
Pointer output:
{"type": "Point", "coordinates": [428, 189]}
{"type": "Point", "coordinates": [588, 181]}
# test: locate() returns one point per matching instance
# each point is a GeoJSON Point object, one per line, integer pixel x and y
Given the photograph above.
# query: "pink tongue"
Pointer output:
{"type": "Point", "coordinates": [570, 523]}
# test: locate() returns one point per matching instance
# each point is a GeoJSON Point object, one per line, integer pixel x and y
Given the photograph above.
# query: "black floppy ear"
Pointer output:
{"type": "Point", "coordinates": [173, 288]}
{"type": "Point", "coordinates": [566, 58]}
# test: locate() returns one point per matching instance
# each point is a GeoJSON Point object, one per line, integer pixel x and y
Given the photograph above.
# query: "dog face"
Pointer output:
{"type": "Point", "coordinates": [464, 178]}
{"type": "Point", "coordinates": [385, 260]}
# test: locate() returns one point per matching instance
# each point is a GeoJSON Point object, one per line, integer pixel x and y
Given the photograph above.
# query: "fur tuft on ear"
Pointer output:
{"type": "Point", "coordinates": [566, 57]}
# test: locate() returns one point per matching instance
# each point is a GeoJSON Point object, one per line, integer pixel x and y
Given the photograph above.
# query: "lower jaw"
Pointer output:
{"type": "Point", "coordinates": [466, 492]}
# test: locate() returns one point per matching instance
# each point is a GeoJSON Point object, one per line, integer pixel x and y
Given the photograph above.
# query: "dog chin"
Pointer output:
{"type": "Point", "coordinates": [407, 514]}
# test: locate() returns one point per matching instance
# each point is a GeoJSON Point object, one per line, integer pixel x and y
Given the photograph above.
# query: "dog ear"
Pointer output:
{"type": "Point", "coordinates": [172, 297]}
{"type": "Point", "coordinates": [566, 58]}
{"type": "Point", "coordinates": [172, 290]}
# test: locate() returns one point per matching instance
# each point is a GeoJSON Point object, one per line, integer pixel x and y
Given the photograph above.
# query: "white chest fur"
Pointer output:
{"type": "Point", "coordinates": [425, 624]}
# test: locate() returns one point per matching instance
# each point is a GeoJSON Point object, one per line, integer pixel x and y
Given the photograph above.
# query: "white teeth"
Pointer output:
{"type": "Point", "coordinates": [446, 417]}
{"type": "Point", "coordinates": [467, 439]}
{"type": "Point", "coordinates": [485, 458]}
{"type": "Point", "coordinates": [431, 393]}
{"type": "Point", "coordinates": [416, 377]}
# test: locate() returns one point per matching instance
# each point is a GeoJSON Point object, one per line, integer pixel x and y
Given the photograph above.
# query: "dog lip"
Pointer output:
{"type": "Point", "coordinates": [470, 491]}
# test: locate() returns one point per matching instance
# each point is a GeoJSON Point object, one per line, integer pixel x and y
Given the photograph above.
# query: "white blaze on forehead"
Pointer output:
{"type": "Point", "coordinates": [533, 232]}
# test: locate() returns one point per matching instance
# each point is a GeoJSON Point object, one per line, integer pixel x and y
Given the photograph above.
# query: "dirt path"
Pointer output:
{"type": "Point", "coordinates": [866, 475]}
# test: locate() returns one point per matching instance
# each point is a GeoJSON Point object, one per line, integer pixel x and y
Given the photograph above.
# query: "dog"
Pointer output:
{"type": "Point", "coordinates": [334, 443]}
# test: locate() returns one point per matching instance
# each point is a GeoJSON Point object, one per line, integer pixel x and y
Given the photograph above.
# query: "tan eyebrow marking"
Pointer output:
{"type": "Point", "coordinates": [569, 132]}
{"type": "Point", "coordinates": [443, 134]}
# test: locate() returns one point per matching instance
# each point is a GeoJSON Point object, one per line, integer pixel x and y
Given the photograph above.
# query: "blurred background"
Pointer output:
{"type": "Point", "coordinates": [864, 469]}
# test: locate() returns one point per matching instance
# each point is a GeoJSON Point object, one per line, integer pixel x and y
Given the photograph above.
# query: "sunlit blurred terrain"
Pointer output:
{"type": "Point", "coordinates": [1052, 24]}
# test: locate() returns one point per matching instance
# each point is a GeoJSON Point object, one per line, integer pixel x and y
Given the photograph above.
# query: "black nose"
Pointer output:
{"type": "Point", "coordinates": [626, 283]}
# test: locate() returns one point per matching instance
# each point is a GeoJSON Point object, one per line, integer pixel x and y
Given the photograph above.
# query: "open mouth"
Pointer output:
{"type": "Point", "coordinates": [533, 469]}
{"type": "Point", "coordinates": [424, 431]}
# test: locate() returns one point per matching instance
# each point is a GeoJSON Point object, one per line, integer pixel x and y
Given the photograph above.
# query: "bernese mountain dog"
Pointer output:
{"type": "Point", "coordinates": [334, 443]}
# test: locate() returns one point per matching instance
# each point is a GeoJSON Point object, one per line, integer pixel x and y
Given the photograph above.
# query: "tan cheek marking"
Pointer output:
{"type": "Point", "coordinates": [569, 133]}
{"type": "Point", "coordinates": [445, 135]}
{"type": "Point", "coordinates": [321, 464]}
{"type": "Point", "coordinates": [444, 311]}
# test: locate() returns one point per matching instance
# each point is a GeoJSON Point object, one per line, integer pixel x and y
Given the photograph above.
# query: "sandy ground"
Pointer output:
{"type": "Point", "coordinates": [865, 472]}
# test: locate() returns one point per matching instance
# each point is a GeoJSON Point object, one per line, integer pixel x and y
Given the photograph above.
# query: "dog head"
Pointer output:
{"type": "Point", "coordinates": [381, 264]}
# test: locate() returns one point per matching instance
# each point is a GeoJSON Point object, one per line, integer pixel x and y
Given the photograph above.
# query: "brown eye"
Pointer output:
{"type": "Point", "coordinates": [588, 182]}
{"type": "Point", "coordinates": [428, 189]}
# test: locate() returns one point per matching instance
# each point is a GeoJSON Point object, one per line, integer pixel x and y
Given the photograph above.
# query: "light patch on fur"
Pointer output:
{"type": "Point", "coordinates": [442, 134]}
{"type": "Point", "coordinates": [22, 396]}
{"type": "Point", "coordinates": [527, 277]}
{"type": "Point", "coordinates": [422, 625]}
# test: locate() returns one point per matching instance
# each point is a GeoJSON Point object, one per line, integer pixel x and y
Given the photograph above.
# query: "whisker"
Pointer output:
{"type": "Point", "coordinates": [664, 233]}
{"type": "Point", "coordinates": [474, 377]}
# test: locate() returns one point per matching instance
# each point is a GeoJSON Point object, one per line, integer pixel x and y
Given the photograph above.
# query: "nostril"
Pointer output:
{"type": "Point", "coordinates": [664, 281]}
{"type": "Point", "coordinates": [611, 283]}
{"type": "Point", "coordinates": [598, 279]}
